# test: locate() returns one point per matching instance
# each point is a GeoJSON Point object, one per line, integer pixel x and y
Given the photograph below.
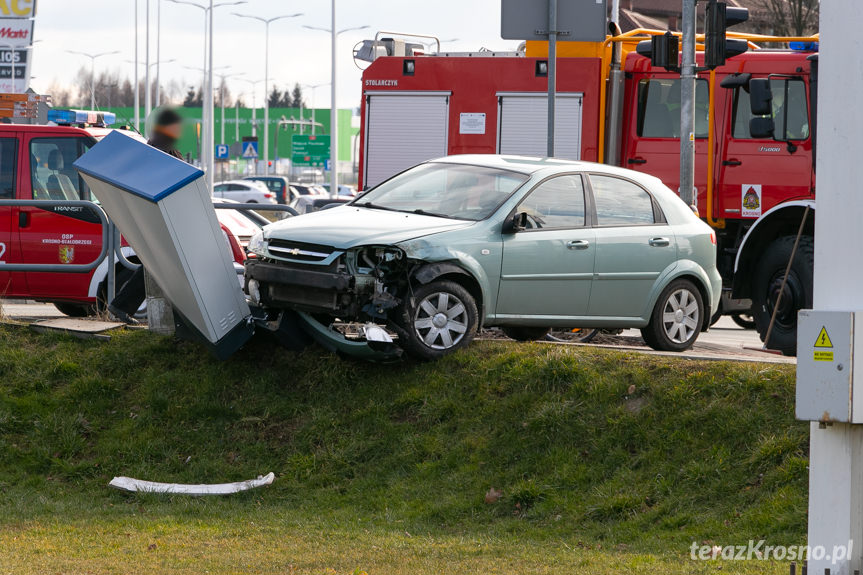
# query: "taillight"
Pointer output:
{"type": "Point", "coordinates": [713, 237]}
{"type": "Point", "coordinates": [269, 195]}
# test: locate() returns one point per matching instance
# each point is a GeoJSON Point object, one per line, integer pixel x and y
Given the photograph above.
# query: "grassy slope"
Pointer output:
{"type": "Point", "coordinates": [607, 461]}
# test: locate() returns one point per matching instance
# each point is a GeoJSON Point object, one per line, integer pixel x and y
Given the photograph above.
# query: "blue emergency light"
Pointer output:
{"type": "Point", "coordinates": [803, 46]}
{"type": "Point", "coordinates": [81, 117]}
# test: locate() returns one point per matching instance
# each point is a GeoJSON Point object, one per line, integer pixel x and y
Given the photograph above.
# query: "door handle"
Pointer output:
{"type": "Point", "coordinates": [636, 161]}
{"type": "Point", "coordinates": [660, 242]}
{"type": "Point", "coordinates": [578, 244]}
{"type": "Point", "coordinates": [732, 163]}
{"type": "Point", "coordinates": [23, 219]}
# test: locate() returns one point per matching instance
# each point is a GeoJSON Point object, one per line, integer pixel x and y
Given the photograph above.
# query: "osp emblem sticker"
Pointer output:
{"type": "Point", "coordinates": [751, 201]}
{"type": "Point", "coordinates": [67, 254]}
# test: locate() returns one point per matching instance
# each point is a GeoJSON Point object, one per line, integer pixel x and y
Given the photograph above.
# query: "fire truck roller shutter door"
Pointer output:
{"type": "Point", "coordinates": [404, 129]}
{"type": "Point", "coordinates": [524, 119]}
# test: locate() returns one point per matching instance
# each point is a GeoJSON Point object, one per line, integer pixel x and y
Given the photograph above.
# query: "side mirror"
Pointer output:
{"type": "Point", "coordinates": [761, 128]}
{"type": "Point", "coordinates": [760, 97]}
{"type": "Point", "coordinates": [515, 223]}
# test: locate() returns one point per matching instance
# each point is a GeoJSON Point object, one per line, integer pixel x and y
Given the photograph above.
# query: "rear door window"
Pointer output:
{"type": "Point", "coordinates": [620, 202]}
{"type": "Point", "coordinates": [8, 167]}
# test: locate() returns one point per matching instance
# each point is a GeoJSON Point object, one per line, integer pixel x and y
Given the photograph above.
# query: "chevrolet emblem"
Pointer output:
{"type": "Point", "coordinates": [295, 252]}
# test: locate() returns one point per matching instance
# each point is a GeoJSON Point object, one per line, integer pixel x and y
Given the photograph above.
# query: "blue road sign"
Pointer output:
{"type": "Point", "coordinates": [250, 150]}
{"type": "Point", "coordinates": [223, 152]}
{"type": "Point", "coordinates": [327, 167]}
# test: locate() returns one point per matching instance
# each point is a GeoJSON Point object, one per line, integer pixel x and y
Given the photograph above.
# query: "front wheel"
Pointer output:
{"type": "Point", "coordinates": [767, 283]}
{"type": "Point", "coordinates": [677, 318]}
{"type": "Point", "coordinates": [439, 318]}
{"type": "Point", "coordinates": [743, 320]}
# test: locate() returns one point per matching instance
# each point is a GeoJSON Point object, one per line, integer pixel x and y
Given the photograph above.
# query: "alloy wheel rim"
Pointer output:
{"type": "Point", "coordinates": [680, 316]}
{"type": "Point", "coordinates": [440, 320]}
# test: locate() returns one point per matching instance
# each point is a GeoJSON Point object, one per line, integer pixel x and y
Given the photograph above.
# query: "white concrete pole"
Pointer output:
{"type": "Point", "coordinates": [836, 452]}
{"type": "Point", "coordinates": [137, 75]}
{"type": "Point", "coordinates": [267, 100]}
{"type": "Point", "coordinates": [148, 96]}
{"type": "Point", "coordinates": [211, 112]}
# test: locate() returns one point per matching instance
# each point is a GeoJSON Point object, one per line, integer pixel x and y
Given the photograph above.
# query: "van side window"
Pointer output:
{"type": "Point", "coordinates": [789, 103]}
{"type": "Point", "coordinates": [659, 108]}
{"type": "Point", "coordinates": [8, 167]}
{"type": "Point", "coordinates": [53, 176]}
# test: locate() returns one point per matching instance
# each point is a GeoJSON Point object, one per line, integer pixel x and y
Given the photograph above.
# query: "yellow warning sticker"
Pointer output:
{"type": "Point", "coordinates": [822, 355]}
{"type": "Point", "coordinates": [823, 340]}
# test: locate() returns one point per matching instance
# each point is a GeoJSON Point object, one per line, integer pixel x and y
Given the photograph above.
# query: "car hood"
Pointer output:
{"type": "Point", "coordinates": [349, 226]}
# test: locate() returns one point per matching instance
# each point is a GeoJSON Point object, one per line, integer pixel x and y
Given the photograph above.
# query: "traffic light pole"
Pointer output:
{"type": "Point", "coordinates": [688, 75]}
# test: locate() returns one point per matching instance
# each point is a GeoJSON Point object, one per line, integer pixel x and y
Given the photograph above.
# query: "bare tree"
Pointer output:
{"type": "Point", "coordinates": [794, 17]}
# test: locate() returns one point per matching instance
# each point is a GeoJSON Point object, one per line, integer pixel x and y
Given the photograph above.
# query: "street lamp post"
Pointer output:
{"type": "Point", "coordinates": [224, 77]}
{"type": "Point", "coordinates": [267, 22]}
{"type": "Point", "coordinates": [93, 58]}
{"type": "Point", "coordinates": [254, 85]}
{"type": "Point", "coordinates": [208, 116]}
{"type": "Point", "coordinates": [314, 89]}
{"type": "Point", "coordinates": [334, 117]}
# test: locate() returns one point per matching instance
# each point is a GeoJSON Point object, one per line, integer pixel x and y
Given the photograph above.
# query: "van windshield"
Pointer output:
{"type": "Point", "coordinates": [445, 190]}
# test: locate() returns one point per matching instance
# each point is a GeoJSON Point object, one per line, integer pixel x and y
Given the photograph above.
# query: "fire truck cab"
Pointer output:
{"type": "Point", "coordinates": [613, 106]}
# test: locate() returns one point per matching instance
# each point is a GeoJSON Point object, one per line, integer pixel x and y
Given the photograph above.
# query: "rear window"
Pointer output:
{"type": "Point", "coordinates": [621, 203]}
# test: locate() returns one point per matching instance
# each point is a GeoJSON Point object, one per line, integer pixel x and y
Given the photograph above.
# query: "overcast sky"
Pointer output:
{"type": "Point", "coordinates": [296, 54]}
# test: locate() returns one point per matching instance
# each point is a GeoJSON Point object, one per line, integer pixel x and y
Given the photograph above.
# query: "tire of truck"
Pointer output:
{"type": "Point", "coordinates": [439, 318]}
{"type": "Point", "coordinates": [677, 318]}
{"type": "Point", "coordinates": [767, 283]}
{"type": "Point", "coordinates": [76, 309]}
{"type": "Point", "coordinates": [525, 333]}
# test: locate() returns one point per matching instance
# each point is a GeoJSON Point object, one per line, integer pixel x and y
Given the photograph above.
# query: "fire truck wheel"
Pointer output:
{"type": "Point", "coordinates": [439, 319]}
{"type": "Point", "coordinates": [75, 310]}
{"type": "Point", "coordinates": [797, 295]}
{"type": "Point", "coordinates": [677, 318]}
{"type": "Point", "coordinates": [525, 333]}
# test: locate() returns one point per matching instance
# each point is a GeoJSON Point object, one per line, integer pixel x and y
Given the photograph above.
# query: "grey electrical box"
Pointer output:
{"type": "Point", "coordinates": [826, 387]}
{"type": "Point", "coordinates": [163, 208]}
{"type": "Point", "coordinates": [577, 20]}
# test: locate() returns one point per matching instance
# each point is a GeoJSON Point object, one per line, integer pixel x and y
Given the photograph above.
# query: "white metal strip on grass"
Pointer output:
{"type": "Point", "coordinates": [140, 486]}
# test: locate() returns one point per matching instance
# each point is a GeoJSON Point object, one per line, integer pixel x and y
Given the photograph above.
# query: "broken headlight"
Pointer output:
{"type": "Point", "coordinates": [257, 244]}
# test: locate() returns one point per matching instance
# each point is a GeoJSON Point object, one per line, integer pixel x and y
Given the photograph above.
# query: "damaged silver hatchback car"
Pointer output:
{"type": "Point", "coordinates": [428, 257]}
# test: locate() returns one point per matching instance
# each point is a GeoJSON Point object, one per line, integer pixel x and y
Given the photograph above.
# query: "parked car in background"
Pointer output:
{"type": "Point", "coordinates": [244, 192]}
{"type": "Point", "coordinates": [276, 184]}
{"type": "Point", "coordinates": [344, 191]}
{"type": "Point", "coordinates": [307, 190]}
{"type": "Point", "coordinates": [526, 244]}
{"type": "Point", "coordinates": [309, 204]}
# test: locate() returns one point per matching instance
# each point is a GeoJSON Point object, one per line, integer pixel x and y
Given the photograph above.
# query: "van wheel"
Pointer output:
{"type": "Point", "coordinates": [525, 333]}
{"type": "Point", "coordinates": [767, 283]}
{"type": "Point", "coordinates": [439, 318]}
{"type": "Point", "coordinates": [75, 309]}
{"type": "Point", "coordinates": [677, 318]}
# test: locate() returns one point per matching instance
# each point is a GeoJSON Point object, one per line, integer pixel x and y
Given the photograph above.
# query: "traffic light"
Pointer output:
{"type": "Point", "coordinates": [662, 50]}
{"type": "Point", "coordinates": [716, 47]}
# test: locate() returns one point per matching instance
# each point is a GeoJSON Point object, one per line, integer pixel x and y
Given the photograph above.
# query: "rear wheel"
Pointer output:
{"type": "Point", "coordinates": [76, 309]}
{"type": "Point", "coordinates": [797, 294]}
{"type": "Point", "coordinates": [519, 333]}
{"type": "Point", "coordinates": [677, 318]}
{"type": "Point", "coordinates": [743, 320]}
{"type": "Point", "coordinates": [439, 318]}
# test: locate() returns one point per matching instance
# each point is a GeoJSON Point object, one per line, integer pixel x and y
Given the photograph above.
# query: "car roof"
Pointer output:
{"type": "Point", "coordinates": [534, 165]}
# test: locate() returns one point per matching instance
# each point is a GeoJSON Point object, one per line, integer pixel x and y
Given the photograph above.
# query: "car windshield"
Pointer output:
{"type": "Point", "coordinates": [445, 190]}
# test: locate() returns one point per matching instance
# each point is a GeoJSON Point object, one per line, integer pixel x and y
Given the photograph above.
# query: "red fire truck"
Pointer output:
{"type": "Point", "coordinates": [614, 107]}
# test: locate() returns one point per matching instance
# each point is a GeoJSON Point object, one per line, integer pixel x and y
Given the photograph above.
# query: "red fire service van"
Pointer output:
{"type": "Point", "coordinates": [36, 164]}
{"type": "Point", "coordinates": [613, 106]}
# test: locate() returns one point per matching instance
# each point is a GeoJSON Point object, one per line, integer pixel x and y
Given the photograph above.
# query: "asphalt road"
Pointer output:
{"type": "Point", "coordinates": [725, 340]}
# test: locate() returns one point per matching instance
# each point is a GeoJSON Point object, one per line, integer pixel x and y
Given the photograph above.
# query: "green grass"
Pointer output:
{"type": "Point", "coordinates": [606, 462]}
